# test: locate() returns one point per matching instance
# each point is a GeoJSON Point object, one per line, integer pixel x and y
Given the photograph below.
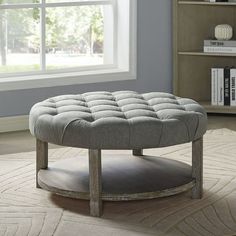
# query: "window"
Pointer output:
{"type": "Point", "coordinates": [44, 35]}
{"type": "Point", "coordinates": [59, 42]}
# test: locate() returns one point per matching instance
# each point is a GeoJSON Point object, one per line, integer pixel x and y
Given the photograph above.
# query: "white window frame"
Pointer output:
{"type": "Point", "coordinates": [124, 55]}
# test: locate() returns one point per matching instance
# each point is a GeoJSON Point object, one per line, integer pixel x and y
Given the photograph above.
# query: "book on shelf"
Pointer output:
{"type": "Point", "coordinates": [223, 86]}
{"type": "Point", "coordinates": [219, 43]}
{"type": "Point", "coordinates": [227, 86]}
{"type": "Point", "coordinates": [232, 87]}
{"type": "Point", "coordinates": [216, 49]}
{"type": "Point", "coordinates": [214, 85]}
{"type": "Point", "coordinates": [220, 92]}
{"type": "Point", "coordinates": [217, 86]}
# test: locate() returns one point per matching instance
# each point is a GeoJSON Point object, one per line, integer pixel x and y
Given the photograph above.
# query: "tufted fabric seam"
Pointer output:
{"type": "Point", "coordinates": [185, 127]}
{"type": "Point", "coordinates": [35, 126]}
{"type": "Point", "coordinates": [63, 112]}
{"type": "Point", "coordinates": [164, 109]}
{"type": "Point", "coordinates": [121, 108]}
{"type": "Point", "coordinates": [65, 128]}
{"type": "Point", "coordinates": [199, 114]}
{"type": "Point", "coordinates": [66, 105]}
{"type": "Point", "coordinates": [183, 121]}
{"type": "Point", "coordinates": [159, 142]}
{"type": "Point", "coordinates": [129, 121]}
{"type": "Point", "coordinates": [197, 127]}
{"type": "Point", "coordinates": [151, 107]}
{"type": "Point", "coordinates": [165, 103]}
{"type": "Point", "coordinates": [86, 104]}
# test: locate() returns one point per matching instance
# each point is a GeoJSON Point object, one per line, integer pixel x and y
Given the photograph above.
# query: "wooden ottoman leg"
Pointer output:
{"type": "Point", "coordinates": [138, 152]}
{"type": "Point", "coordinates": [95, 183]}
{"type": "Point", "coordinates": [197, 168]}
{"type": "Point", "coordinates": [41, 157]}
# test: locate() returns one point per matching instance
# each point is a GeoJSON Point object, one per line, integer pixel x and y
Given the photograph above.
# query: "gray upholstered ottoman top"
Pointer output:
{"type": "Point", "coordinates": [118, 120]}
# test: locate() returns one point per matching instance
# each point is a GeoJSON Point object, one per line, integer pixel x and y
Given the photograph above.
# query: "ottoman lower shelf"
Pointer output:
{"type": "Point", "coordinates": [124, 177]}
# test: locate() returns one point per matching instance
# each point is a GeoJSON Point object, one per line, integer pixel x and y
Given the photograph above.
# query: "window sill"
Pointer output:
{"type": "Point", "coordinates": [63, 79]}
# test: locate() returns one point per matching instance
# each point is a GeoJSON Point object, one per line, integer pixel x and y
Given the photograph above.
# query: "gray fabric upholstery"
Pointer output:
{"type": "Point", "coordinates": [118, 120]}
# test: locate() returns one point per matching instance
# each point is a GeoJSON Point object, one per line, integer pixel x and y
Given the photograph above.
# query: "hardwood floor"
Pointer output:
{"type": "Point", "coordinates": [15, 142]}
{"type": "Point", "coordinates": [23, 141]}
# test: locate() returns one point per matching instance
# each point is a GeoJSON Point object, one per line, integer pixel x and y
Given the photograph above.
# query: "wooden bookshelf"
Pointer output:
{"type": "Point", "coordinates": [207, 54]}
{"type": "Point", "coordinates": [193, 22]}
{"type": "Point", "coordinates": [218, 109]}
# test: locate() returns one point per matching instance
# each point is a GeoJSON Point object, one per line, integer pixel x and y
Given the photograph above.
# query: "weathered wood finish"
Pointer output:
{"type": "Point", "coordinates": [95, 182]}
{"type": "Point", "coordinates": [74, 178]}
{"type": "Point", "coordinates": [138, 152]}
{"type": "Point", "coordinates": [125, 177]}
{"type": "Point", "coordinates": [118, 197]}
{"type": "Point", "coordinates": [197, 168]}
{"type": "Point", "coordinates": [41, 157]}
{"type": "Point", "coordinates": [218, 109]}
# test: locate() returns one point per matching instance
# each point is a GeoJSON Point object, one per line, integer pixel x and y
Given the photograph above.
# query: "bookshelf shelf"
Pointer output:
{"type": "Point", "coordinates": [207, 3]}
{"type": "Point", "coordinates": [207, 54]}
{"type": "Point", "coordinates": [218, 109]}
{"type": "Point", "coordinates": [194, 22]}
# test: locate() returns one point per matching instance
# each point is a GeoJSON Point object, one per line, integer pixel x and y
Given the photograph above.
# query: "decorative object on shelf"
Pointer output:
{"type": "Point", "coordinates": [223, 32]}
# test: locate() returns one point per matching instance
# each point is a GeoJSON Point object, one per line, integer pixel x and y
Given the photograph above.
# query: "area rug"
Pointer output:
{"type": "Point", "coordinates": [25, 210]}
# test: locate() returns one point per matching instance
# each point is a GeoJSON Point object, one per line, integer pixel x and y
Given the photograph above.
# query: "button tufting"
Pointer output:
{"type": "Point", "coordinates": [123, 119]}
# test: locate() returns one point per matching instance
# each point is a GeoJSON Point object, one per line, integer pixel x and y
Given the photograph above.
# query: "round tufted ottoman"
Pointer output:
{"type": "Point", "coordinates": [118, 120]}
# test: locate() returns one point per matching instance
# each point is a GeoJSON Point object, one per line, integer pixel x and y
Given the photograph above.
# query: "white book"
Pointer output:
{"type": "Point", "coordinates": [219, 43]}
{"type": "Point", "coordinates": [212, 49]}
{"type": "Point", "coordinates": [220, 82]}
{"type": "Point", "coordinates": [232, 87]}
{"type": "Point", "coordinates": [214, 84]}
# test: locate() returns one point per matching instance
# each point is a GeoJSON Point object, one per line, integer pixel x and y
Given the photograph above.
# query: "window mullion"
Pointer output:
{"type": "Point", "coordinates": [43, 36]}
{"type": "Point", "coordinates": [115, 31]}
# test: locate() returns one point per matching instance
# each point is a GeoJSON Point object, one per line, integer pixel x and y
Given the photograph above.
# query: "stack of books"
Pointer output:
{"type": "Point", "coordinates": [220, 46]}
{"type": "Point", "coordinates": [223, 90]}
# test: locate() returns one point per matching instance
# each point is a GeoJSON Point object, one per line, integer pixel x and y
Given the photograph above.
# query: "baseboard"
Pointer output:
{"type": "Point", "coordinates": [14, 123]}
